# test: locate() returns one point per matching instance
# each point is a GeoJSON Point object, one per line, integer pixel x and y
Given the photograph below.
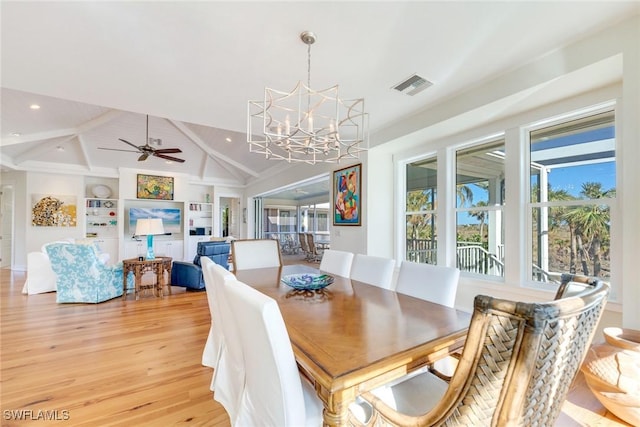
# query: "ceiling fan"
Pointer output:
{"type": "Point", "coordinates": [147, 150]}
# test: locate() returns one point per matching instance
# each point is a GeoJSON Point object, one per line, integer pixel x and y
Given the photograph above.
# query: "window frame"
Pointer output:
{"type": "Point", "coordinates": [491, 139]}
{"type": "Point", "coordinates": [434, 211]}
{"type": "Point", "coordinates": [517, 207]}
{"type": "Point", "coordinates": [612, 203]}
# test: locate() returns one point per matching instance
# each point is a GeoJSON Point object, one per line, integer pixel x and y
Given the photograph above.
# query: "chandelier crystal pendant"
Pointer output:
{"type": "Point", "coordinates": [306, 125]}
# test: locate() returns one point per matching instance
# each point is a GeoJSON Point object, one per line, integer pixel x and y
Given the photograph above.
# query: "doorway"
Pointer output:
{"type": "Point", "coordinates": [6, 226]}
{"type": "Point", "coordinates": [229, 217]}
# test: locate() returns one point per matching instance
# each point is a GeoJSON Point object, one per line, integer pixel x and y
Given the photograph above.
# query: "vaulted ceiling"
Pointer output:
{"type": "Point", "coordinates": [97, 68]}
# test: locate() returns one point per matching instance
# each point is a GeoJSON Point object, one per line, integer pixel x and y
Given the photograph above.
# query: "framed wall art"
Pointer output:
{"type": "Point", "coordinates": [171, 218]}
{"type": "Point", "coordinates": [155, 187]}
{"type": "Point", "coordinates": [53, 211]}
{"type": "Point", "coordinates": [347, 203]}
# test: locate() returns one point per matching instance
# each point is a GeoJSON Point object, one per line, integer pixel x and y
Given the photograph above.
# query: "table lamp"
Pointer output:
{"type": "Point", "coordinates": [149, 227]}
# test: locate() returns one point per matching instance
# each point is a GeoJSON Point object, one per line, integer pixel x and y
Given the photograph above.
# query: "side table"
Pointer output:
{"type": "Point", "coordinates": [138, 267]}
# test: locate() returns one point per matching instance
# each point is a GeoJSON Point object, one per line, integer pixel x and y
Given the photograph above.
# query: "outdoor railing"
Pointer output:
{"type": "Point", "coordinates": [422, 250]}
{"type": "Point", "coordinates": [477, 259]}
{"type": "Point", "coordinates": [470, 256]}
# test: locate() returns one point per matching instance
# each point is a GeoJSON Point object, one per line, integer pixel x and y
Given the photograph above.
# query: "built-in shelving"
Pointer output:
{"type": "Point", "coordinates": [200, 219]}
{"type": "Point", "coordinates": [101, 218]}
{"type": "Point", "coordinates": [101, 225]}
{"type": "Point", "coordinates": [200, 225]}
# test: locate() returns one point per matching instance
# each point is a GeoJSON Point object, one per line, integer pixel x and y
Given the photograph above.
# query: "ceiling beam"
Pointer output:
{"type": "Point", "coordinates": [231, 170]}
{"type": "Point", "coordinates": [57, 133]}
{"type": "Point", "coordinates": [85, 153]}
{"type": "Point", "coordinates": [213, 153]}
{"type": "Point", "coordinates": [38, 136]}
{"type": "Point", "coordinates": [98, 121]}
{"type": "Point", "coordinates": [203, 166]}
{"type": "Point", "coordinates": [41, 148]}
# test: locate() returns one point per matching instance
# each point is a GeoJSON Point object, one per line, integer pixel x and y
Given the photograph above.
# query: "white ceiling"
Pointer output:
{"type": "Point", "coordinates": [96, 69]}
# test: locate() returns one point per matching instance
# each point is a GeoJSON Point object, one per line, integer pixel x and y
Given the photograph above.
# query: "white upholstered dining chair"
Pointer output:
{"type": "Point", "coordinates": [433, 283]}
{"type": "Point", "coordinates": [228, 374]}
{"type": "Point", "coordinates": [212, 346]}
{"type": "Point", "coordinates": [255, 253]}
{"type": "Point", "coordinates": [373, 270]}
{"type": "Point", "coordinates": [275, 395]}
{"type": "Point", "coordinates": [211, 352]}
{"type": "Point", "coordinates": [429, 282]}
{"type": "Point", "coordinates": [336, 262]}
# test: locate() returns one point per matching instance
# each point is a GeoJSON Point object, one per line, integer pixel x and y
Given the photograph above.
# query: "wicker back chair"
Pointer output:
{"type": "Point", "coordinates": [517, 365]}
{"type": "Point", "coordinates": [573, 284]}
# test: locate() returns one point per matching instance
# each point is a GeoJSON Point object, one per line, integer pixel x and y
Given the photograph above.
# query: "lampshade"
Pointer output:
{"type": "Point", "coordinates": [149, 226]}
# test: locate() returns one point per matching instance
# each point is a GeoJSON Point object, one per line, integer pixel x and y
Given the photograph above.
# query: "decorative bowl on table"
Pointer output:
{"type": "Point", "coordinates": [308, 281]}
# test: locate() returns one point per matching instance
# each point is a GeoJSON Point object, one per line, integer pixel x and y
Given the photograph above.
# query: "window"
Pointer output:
{"type": "Point", "coordinates": [279, 221]}
{"type": "Point", "coordinates": [561, 175]}
{"type": "Point", "coordinates": [572, 191]}
{"type": "Point", "coordinates": [420, 211]}
{"type": "Point", "coordinates": [314, 218]}
{"type": "Point", "coordinates": [480, 188]}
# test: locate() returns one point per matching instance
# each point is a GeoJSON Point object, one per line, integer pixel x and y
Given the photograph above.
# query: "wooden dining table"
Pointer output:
{"type": "Point", "coordinates": [351, 337]}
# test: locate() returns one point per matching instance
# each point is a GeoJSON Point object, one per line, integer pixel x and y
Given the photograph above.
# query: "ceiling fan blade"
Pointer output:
{"type": "Point", "coordinates": [173, 159]}
{"type": "Point", "coordinates": [168, 150]}
{"type": "Point", "coordinates": [127, 142]}
{"type": "Point", "coordinates": [117, 149]}
{"type": "Point", "coordinates": [143, 157]}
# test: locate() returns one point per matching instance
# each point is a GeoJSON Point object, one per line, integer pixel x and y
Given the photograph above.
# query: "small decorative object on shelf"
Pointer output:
{"type": "Point", "coordinates": [101, 191]}
{"type": "Point", "coordinates": [101, 218]}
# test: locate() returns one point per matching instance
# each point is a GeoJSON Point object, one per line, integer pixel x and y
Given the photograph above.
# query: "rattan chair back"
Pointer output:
{"type": "Point", "coordinates": [517, 365]}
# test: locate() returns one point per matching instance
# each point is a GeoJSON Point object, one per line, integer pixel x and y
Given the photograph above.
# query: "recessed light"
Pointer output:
{"type": "Point", "coordinates": [169, 162]}
{"type": "Point", "coordinates": [227, 139]}
{"type": "Point", "coordinates": [60, 148]}
{"type": "Point", "coordinates": [34, 106]}
{"type": "Point", "coordinates": [16, 134]}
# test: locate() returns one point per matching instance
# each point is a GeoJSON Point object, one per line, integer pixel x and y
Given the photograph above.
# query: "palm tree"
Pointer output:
{"type": "Point", "coordinates": [420, 225]}
{"type": "Point", "coordinates": [558, 218]}
{"type": "Point", "coordinates": [464, 194]}
{"type": "Point", "coordinates": [592, 221]}
{"type": "Point", "coordinates": [480, 216]}
{"type": "Point", "coordinates": [418, 201]}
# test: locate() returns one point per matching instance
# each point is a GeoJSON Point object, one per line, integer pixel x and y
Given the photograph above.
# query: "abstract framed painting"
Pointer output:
{"type": "Point", "coordinates": [155, 187]}
{"type": "Point", "coordinates": [347, 197]}
{"type": "Point", "coordinates": [53, 211]}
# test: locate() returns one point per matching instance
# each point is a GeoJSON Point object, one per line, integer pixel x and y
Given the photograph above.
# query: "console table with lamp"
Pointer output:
{"type": "Point", "coordinates": [138, 266]}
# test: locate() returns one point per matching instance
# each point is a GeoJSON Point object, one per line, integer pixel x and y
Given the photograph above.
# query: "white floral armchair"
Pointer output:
{"type": "Point", "coordinates": [81, 276]}
{"type": "Point", "coordinates": [40, 276]}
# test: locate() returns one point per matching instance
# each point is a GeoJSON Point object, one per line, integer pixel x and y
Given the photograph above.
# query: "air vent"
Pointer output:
{"type": "Point", "coordinates": [413, 85]}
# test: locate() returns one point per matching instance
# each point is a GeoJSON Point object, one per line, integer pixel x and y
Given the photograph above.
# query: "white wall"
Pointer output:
{"type": "Point", "coordinates": [630, 175]}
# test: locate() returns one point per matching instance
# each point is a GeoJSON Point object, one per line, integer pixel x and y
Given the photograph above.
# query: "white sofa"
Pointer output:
{"type": "Point", "coordinates": [40, 276]}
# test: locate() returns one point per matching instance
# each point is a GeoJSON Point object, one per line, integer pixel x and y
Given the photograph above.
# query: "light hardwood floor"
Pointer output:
{"type": "Point", "coordinates": [133, 363]}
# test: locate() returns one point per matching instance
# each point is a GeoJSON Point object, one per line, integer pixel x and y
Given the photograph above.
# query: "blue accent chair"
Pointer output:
{"type": "Point", "coordinates": [189, 274]}
{"type": "Point", "coordinates": [81, 276]}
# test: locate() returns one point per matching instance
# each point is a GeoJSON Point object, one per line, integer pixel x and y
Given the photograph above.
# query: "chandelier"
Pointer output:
{"type": "Point", "coordinates": [306, 125]}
